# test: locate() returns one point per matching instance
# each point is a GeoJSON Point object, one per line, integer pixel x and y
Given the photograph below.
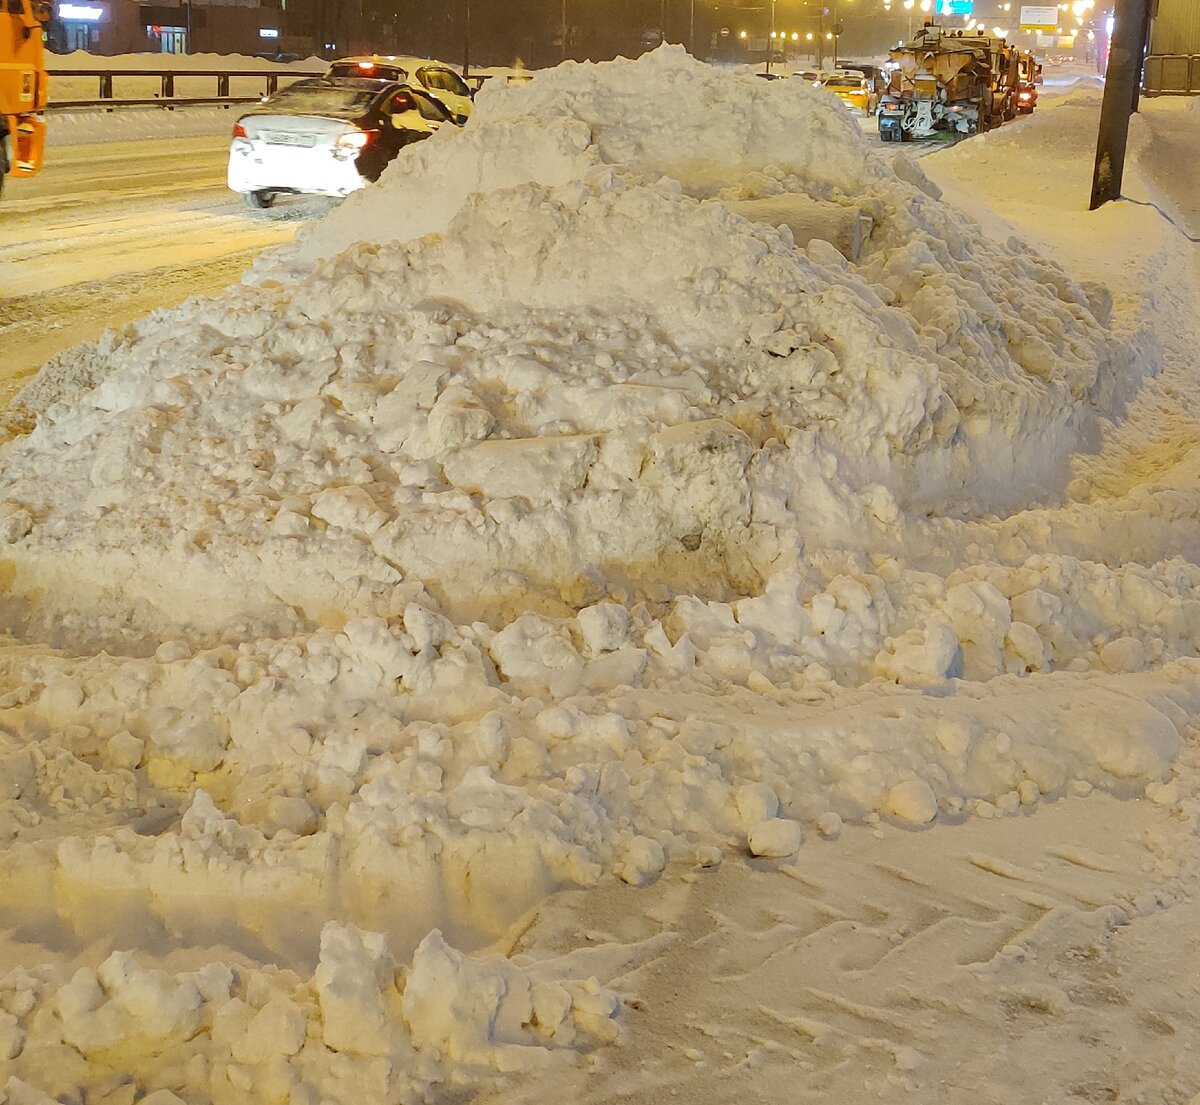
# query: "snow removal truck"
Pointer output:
{"type": "Point", "coordinates": [23, 86]}
{"type": "Point", "coordinates": [954, 81]}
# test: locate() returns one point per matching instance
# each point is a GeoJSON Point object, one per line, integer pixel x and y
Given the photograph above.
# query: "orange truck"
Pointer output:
{"type": "Point", "coordinates": [24, 86]}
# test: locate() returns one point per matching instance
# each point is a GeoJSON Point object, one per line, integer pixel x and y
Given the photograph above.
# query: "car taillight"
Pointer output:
{"type": "Point", "coordinates": [239, 131]}
{"type": "Point", "coordinates": [356, 139]}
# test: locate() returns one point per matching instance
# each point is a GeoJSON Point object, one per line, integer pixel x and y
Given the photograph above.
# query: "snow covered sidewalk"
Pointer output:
{"type": "Point", "coordinates": [409, 651]}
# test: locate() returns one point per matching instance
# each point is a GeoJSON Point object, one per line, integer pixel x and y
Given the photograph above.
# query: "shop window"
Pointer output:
{"type": "Point", "coordinates": [80, 36]}
{"type": "Point", "coordinates": [167, 40]}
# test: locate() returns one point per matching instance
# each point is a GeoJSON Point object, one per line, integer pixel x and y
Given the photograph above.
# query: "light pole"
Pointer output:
{"type": "Point", "coordinates": [692, 30]}
{"type": "Point", "coordinates": [467, 41]}
{"type": "Point", "coordinates": [771, 38]}
{"type": "Point", "coordinates": [564, 30]}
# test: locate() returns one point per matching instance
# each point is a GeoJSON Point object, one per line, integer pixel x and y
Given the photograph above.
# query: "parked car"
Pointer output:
{"type": "Point", "coordinates": [327, 137]}
{"type": "Point", "coordinates": [815, 77]}
{"type": "Point", "coordinates": [853, 89]}
{"type": "Point", "coordinates": [439, 80]}
{"type": "Point", "coordinates": [865, 68]}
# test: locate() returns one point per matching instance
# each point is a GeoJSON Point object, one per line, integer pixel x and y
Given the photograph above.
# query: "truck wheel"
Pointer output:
{"type": "Point", "coordinates": [260, 200]}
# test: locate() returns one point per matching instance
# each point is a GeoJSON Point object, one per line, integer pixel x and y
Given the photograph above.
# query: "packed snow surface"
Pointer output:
{"type": "Point", "coordinates": [563, 507]}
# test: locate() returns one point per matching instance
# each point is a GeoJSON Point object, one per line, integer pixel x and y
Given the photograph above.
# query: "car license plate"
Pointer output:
{"type": "Point", "coordinates": [285, 138]}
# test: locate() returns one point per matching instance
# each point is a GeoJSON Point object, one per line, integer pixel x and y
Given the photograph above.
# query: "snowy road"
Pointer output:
{"type": "Point", "coordinates": [82, 245]}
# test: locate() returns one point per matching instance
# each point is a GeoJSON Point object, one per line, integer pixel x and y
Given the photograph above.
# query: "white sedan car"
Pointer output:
{"type": "Point", "coordinates": [327, 137]}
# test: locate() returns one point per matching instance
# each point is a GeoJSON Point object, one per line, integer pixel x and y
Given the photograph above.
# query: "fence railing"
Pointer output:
{"type": "Point", "coordinates": [1172, 75]}
{"type": "Point", "coordinates": [166, 97]}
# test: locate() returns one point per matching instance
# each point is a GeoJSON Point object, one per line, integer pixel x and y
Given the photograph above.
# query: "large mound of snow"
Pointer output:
{"type": "Point", "coordinates": [604, 488]}
{"type": "Point", "coordinates": [569, 363]}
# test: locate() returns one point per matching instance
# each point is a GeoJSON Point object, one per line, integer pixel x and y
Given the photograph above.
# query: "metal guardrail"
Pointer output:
{"type": "Point", "coordinates": [166, 97]}
{"type": "Point", "coordinates": [1171, 75]}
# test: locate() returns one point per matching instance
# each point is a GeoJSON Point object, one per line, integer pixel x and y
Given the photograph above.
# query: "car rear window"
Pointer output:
{"type": "Point", "coordinates": [843, 82]}
{"type": "Point", "coordinates": [321, 101]}
{"type": "Point", "coordinates": [375, 70]}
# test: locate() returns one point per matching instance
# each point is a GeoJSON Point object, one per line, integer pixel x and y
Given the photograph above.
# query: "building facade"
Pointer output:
{"type": "Point", "coordinates": [1173, 59]}
{"type": "Point", "coordinates": [109, 27]}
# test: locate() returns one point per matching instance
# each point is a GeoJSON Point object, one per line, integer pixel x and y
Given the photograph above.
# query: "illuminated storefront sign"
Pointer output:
{"type": "Point", "coordinates": [83, 13]}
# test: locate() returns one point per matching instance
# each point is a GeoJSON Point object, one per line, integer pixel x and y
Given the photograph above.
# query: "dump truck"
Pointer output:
{"type": "Point", "coordinates": [944, 80]}
{"type": "Point", "coordinates": [24, 86]}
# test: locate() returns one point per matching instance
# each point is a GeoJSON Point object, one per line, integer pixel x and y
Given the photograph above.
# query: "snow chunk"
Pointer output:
{"type": "Point", "coordinates": [353, 980]}
{"type": "Point", "coordinates": [776, 837]}
{"type": "Point", "coordinates": [489, 1011]}
{"type": "Point", "coordinates": [913, 801]}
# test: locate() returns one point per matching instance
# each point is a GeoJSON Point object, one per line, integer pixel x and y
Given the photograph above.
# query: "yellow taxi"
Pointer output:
{"type": "Point", "coordinates": [853, 89]}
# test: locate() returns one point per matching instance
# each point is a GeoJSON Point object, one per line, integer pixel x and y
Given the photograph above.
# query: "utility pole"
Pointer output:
{"type": "Point", "coordinates": [564, 30]}
{"type": "Point", "coordinates": [1131, 26]}
{"type": "Point", "coordinates": [692, 30]}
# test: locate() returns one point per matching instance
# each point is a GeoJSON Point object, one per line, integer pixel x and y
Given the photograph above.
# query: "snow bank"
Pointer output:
{"type": "Point", "coordinates": [268, 1035]}
{"type": "Point", "coordinates": [88, 127]}
{"type": "Point", "coordinates": [79, 126]}
{"type": "Point", "coordinates": [180, 63]}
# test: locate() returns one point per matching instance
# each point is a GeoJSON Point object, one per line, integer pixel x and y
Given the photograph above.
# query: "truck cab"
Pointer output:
{"type": "Point", "coordinates": [24, 87]}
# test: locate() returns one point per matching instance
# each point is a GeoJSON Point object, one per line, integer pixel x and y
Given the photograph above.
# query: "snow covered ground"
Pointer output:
{"type": "Point", "coordinates": [625, 609]}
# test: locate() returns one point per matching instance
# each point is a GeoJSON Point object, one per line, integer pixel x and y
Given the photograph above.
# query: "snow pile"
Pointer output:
{"type": "Point", "coordinates": [560, 510]}
{"type": "Point", "coordinates": [592, 381]}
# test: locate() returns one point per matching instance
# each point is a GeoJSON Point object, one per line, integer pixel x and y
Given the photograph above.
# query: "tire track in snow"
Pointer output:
{"type": "Point", "coordinates": [898, 964]}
